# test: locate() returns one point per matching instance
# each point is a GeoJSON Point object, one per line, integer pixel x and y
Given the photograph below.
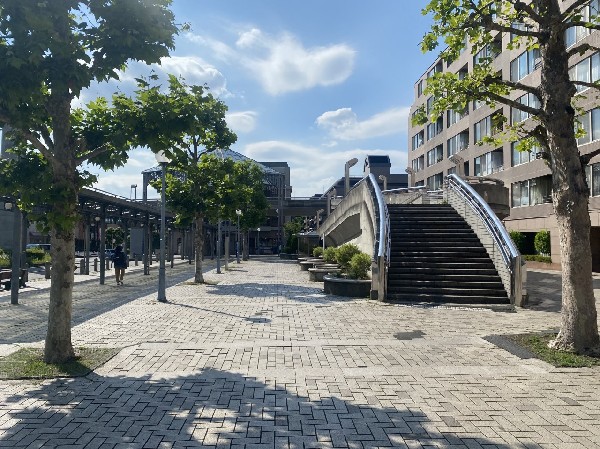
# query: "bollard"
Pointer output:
{"type": "Point", "coordinates": [47, 270]}
{"type": "Point", "coordinates": [107, 265]}
{"type": "Point", "coordinates": [82, 266]}
{"type": "Point", "coordinates": [95, 264]}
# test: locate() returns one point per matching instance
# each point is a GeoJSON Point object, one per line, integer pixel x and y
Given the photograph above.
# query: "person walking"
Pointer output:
{"type": "Point", "coordinates": [120, 261]}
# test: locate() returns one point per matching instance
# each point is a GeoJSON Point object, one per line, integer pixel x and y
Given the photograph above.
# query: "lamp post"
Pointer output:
{"type": "Point", "coordinates": [237, 244]}
{"type": "Point", "coordinates": [351, 163]}
{"type": "Point", "coordinates": [384, 179]}
{"type": "Point", "coordinates": [163, 160]}
{"type": "Point", "coordinates": [258, 241]}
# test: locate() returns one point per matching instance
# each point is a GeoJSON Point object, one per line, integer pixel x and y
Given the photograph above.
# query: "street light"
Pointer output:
{"type": "Point", "coordinates": [384, 179]}
{"type": "Point", "coordinates": [351, 163]}
{"type": "Point", "coordinates": [163, 160]}
{"type": "Point", "coordinates": [237, 246]}
{"type": "Point", "coordinates": [258, 239]}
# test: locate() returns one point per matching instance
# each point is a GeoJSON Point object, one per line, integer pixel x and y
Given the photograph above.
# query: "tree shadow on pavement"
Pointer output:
{"type": "Point", "coordinates": [221, 409]}
{"type": "Point", "coordinates": [298, 293]}
{"type": "Point", "coordinates": [544, 289]}
{"type": "Point", "coordinates": [27, 322]}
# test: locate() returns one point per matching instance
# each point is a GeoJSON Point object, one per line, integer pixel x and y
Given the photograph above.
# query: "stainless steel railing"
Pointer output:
{"type": "Point", "coordinates": [491, 232]}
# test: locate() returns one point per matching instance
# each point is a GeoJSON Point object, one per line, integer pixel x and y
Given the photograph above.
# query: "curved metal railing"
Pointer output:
{"type": "Point", "coordinates": [383, 239]}
{"type": "Point", "coordinates": [495, 237]}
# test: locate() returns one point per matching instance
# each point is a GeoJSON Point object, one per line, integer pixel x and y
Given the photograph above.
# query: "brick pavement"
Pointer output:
{"type": "Point", "coordinates": [264, 359]}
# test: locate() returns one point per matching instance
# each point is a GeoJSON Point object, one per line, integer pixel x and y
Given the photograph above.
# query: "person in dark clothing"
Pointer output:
{"type": "Point", "coordinates": [120, 261]}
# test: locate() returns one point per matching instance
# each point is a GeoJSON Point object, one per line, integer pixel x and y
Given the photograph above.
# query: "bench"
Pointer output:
{"type": "Point", "coordinates": [6, 275]}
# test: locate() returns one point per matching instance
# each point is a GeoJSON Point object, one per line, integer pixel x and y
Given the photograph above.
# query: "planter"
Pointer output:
{"type": "Point", "coordinates": [316, 274]}
{"type": "Point", "coordinates": [354, 288]}
{"type": "Point", "coordinates": [305, 265]}
{"type": "Point", "coordinates": [287, 256]}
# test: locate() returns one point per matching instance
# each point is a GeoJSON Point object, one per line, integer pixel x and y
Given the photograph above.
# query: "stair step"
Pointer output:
{"type": "Point", "coordinates": [437, 242]}
{"type": "Point", "coordinates": [422, 297]}
{"type": "Point", "coordinates": [428, 282]}
{"type": "Point", "coordinates": [407, 272]}
{"type": "Point", "coordinates": [398, 267]}
{"type": "Point", "coordinates": [443, 291]}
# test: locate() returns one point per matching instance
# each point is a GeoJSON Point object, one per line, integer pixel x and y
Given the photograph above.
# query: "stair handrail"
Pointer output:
{"type": "Point", "coordinates": [381, 250]}
{"type": "Point", "coordinates": [512, 259]}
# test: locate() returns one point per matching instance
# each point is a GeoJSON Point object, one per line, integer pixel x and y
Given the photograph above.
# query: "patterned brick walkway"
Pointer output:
{"type": "Point", "coordinates": [264, 359]}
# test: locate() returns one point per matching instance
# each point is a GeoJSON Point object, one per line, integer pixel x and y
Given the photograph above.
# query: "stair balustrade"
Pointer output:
{"type": "Point", "coordinates": [492, 234]}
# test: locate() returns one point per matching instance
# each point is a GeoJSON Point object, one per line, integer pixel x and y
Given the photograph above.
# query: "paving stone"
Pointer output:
{"type": "Point", "coordinates": [265, 359]}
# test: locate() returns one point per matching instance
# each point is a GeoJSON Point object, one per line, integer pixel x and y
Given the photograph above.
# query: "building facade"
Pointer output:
{"type": "Point", "coordinates": [452, 142]}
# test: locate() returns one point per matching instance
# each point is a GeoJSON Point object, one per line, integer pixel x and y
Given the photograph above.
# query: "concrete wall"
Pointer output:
{"type": "Point", "coordinates": [352, 221]}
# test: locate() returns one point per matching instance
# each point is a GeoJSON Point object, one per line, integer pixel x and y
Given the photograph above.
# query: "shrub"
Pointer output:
{"type": "Point", "coordinates": [4, 259]}
{"type": "Point", "coordinates": [37, 256]}
{"type": "Point", "coordinates": [519, 238]}
{"type": "Point", "coordinates": [317, 251]}
{"type": "Point", "coordinates": [538, 258]}
{"type": "Point", "coordinates": [344, 254]}
{"type": "Point", "coordinates": [329, 255]}
{"type": "Point", "coordinates": [542, 242]}
{"type": "Point", "coordinates": [360, 264]}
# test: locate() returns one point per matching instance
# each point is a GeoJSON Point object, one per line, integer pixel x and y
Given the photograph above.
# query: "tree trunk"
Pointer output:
{"type": "Point", "coordinates": [245, 252]}
{"type": "Point", "coordinates": [570, 195]}
{"type": "Point", "coordinates": [58, 346]}
{"type": "Point", "coordinates": [199, 248]}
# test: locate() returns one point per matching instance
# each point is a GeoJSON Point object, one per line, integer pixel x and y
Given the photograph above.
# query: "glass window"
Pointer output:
{"type": "Point", "coordinates": [420, 88]}
{"type": "Point", "coordinates": [595, 187]}
{"type": "Point", "coordinates": [524, 64]}
{"type": "Point", "coordinates": [418, 140]}
{"type": "Point", "coordinates": [457, 143]}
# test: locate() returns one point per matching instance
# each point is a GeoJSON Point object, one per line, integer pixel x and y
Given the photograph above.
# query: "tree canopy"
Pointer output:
{"type": "Point", "coordinates": [546, 38]}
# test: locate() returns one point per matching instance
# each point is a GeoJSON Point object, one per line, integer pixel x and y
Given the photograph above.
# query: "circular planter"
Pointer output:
{"type": "Point", "coordinates": [316, 274]}
{"type": "Point", "coordinates": [287, 256]}
{"type": "Point", "coordinates": [354, 288]}
{"type": "Point", "coordinates": [306, 264]}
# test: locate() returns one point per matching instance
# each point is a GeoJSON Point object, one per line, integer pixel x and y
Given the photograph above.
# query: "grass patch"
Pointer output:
{"type": "Point", "coordinates": [537, 258]}
{"type": "Point", "coordinates": [538, 345]}
{"type": "Point", "coordinates": [28, 363]}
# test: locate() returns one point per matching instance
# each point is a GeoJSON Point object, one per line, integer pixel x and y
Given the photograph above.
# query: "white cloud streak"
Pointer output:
{"type": "Point", "coordinates": [343, 123]}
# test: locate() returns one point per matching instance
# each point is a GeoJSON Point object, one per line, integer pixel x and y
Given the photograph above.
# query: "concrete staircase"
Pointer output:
{"type": "Point", "coordinates": [436, 257]}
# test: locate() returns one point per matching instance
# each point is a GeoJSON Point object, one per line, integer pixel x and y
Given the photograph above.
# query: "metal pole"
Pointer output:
{"type": "Point", "coordinates": [219, 247]}
{"type": "Point", "coordinates": [237, 244]}
{"type": "Point", "coordinates": [162, 297]}
{"type": "Point", "coordinates": [87, 245]}
{"type": "Point", "coordinates": [102, 233]}
{"type": "Point", "coordinates": [16, 255]}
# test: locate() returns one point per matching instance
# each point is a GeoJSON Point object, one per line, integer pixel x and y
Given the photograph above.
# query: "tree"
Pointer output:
{"type": "Point", "coordinates": [254, 207]}
{"type": "Point", "coordinates": [49, 52]}
{"type": "Point", "coordinates": [186, 122]}
{"type": "Point", "coordinates": [539, 27]}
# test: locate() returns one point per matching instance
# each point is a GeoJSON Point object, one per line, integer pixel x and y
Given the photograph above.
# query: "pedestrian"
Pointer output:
{"type": "Point", "coordinates": [120, 261]}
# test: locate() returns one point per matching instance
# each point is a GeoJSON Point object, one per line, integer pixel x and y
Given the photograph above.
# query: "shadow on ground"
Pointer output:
{"type": "Point", "coordinates": [89, 301]}
{"type": "Point", "coordinates": [545, 290]}
{"type": "Point", "coordinates": [222, 409]}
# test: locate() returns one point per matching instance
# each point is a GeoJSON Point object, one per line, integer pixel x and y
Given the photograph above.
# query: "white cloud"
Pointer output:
{"type": "Point", "coordinates": [241, 122]}
{"type": "Point", "coordinates": [282, 64]}
{"type": "Point", "coordinates": [314, 169]}
{"type": "Point", "coordinates": [344, 124]}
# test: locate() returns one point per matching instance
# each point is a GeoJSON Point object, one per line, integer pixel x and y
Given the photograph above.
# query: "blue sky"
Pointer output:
{"type": "Point", "coordinates": [310, 82]}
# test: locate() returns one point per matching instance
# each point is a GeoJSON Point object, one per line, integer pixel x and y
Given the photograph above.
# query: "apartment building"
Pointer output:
{"type": "Point", "coordinates": [450, 143]}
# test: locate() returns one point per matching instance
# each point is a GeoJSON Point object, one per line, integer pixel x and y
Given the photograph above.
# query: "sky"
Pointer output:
{"type": "Point", "coordinates": [311, 82]}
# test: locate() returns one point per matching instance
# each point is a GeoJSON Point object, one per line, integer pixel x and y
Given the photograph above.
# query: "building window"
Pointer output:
{"type": "Point", "coordinates": [429, 107]}
{"type": "Point", "coordinates": [517, 115]}
{"type": "Point", "coordinates": [452, 171]}
{"type": "Point", "coordinates": [457, 143]}
{"type": "Point", "coordinates": [488, 126]}
{"type": "Point", "coordinates": [418, 164]}
{"type": "Point", "coordinates": [522, 157]}
{"type": "Point", "coordinates": [435, 155]}
{"type": "Point", "coordinates": [456, 116]}
{"type": "Point", "coordinates": [524, 64]}
{"type": "Point", "coordinates": [590, 123]}
{"type": "Point", "coordinates": [435, 182]}
{"type": "Point", "coordinates": [576, 33]}
{"type": "Point", "coordinates": [433, 129]}
{"type": "Point", "coordinates": [532, 191]}
{"type": "Point", "coordinates": [418, 140]}
{"type": "Point", "coordinates": [592, 173]}
{"type": "Point", "coordinates": [587, 71]}
{"type": "Point", "coordinates": [488, 163]}
{"type": "Point", "coordinates": [420, 88]}
{"type": "Point", "coordinates": [488, 53]}
{"type": "Point", "coordinates": [436, 69]}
